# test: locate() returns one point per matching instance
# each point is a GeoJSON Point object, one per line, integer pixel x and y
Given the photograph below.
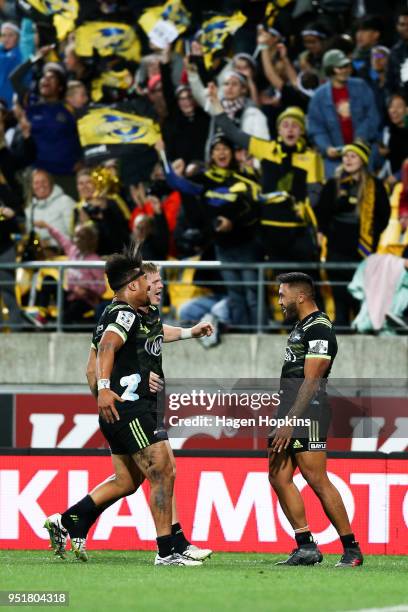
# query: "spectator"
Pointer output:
{"type": "Point", "coordinates": [53, 126]}
{"type": "Point", "coordinates": [352, 212]}
{"type": "Point", "coordinates": [244, 64]}
{"type": "Point", "coordinates": [397, 75]}
{"type": "Point", "coordinates": [85, 286]}
{"type": "Point", "coordinates": [77, 96]}
{"type": "Point", "coordinates": [10, 58]}
{"type": "Point", "coordinates": [368, 34]}
{"type": "Point", "coordinates": [51, 205]}
{"type": "Point", "coordinates": [341, 111]}
{"type": "Point", "coordinates": [314, 37]}
{"type": "Point", "coordinates": [153, 232]}
{"type": "Point", "coordinates": [377, 78]}
{"type": "Point", "coordinates": [186, 127]}
{"type": "Point", "coordinates": [394, 145]}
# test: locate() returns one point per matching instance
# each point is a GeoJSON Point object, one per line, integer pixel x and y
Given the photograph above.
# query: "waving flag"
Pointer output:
{"type": "Point", "coordinates": [118, 79]}
{"type": "Point", "coordinates": [163, 24]}
{"type": "Point", "coordinates": [107, 38]}
{"type": "Point", "coordinates": [214, 32]}
{"type": "Point", "coordinates": [110, 126]}
{"type": "Point", "coordinates": [272, 10]}
{"type": "Point", "coordinates": [64, 13]}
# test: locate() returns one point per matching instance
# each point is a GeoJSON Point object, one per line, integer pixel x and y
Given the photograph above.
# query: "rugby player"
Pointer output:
{"type": "Point", "coordinates": [77, 520]}
{"type": "Point", "coordinates": [310, 352]}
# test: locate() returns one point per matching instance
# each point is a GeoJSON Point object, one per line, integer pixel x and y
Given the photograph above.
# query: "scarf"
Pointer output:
{"type": "Point", "coordinates": [231, 107]}
{"type": "Point", "coordinates": [366, 240]}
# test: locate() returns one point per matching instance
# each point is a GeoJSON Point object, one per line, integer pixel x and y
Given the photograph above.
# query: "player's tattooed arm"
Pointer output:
{"type": "Point", "coordinates": [315, 369]}
{"type": "Point", "coordinates": [108, 346]}
{"type": "Point", "coordinates": [91, 372]}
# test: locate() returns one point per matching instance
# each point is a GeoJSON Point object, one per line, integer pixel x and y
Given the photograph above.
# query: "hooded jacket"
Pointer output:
{"type": "Point", "coordinates": [56, 210]}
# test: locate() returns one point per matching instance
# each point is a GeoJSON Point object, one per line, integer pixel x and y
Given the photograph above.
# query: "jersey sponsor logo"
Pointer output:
{"type": "Point", "coordinates": [319, 347]}
{"type": "Point", "coordinates": [295, 336]}
{"type": "Point", "coordinates": [154, 347]}
{"type": "Point", "coordinates": [125, 319]}
{"type": "Point", "coordinates": [99, 329]}
{"type": "Point", "coordinates": [289, 354]}
{"type": "Point", "coordinates": [317, 446]}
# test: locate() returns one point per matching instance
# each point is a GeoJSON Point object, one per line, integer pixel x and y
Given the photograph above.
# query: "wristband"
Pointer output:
{"type": "Point", "coordinates": [103, 383]}
{"type": "Point", "coordinates": [186, 333]}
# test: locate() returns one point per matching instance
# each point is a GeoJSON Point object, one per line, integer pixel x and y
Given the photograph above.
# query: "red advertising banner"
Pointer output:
{"type": "Point", "coordinates": [224, 503]}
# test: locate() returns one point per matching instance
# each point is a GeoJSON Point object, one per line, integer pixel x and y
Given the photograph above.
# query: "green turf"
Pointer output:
{"type": "Point", "coordinates": [117, 581]}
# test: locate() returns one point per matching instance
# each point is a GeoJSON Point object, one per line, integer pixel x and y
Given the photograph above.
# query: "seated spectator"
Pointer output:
{"type": "Point", "coordinates": [352, 212]}
{"type": "Point", "coordinates": [53, 125]}
{"type": "Point", "coordinates": [51, 205]}
{"type": "Point", "coordinates": [85, 286]}
{"type": "Point", "coordinates": [341, 111]}
{"type": "Point", "coordinates": [10, 58]}
{"type": "Point", "coordinates": [394, 146]}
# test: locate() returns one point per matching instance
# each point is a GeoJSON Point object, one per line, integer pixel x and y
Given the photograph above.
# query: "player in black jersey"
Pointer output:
{"type": "Point", "coordinates": [310, 352]}
{"type": "Point", "coordinates": [128, 477]}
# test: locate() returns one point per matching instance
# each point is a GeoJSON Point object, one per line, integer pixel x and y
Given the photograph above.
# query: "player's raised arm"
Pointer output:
{"type": "Point", "coordinates": [172, 333]}
{"type": "Point", "coordinates": [110, 343]}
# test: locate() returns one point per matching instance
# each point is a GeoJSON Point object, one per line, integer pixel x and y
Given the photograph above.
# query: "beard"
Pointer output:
{"type": "Point", "coordinates": [291, 313]}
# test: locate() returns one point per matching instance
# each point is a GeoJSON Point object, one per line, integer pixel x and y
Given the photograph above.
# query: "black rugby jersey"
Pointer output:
{"type": "Point", "coordinates": [133, 361]}
{"type": "Point", "coordinates": [312, 337]}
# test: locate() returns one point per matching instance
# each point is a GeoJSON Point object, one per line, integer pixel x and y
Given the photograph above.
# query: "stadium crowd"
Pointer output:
{"type": "Point", "coordinates": [282, 139]}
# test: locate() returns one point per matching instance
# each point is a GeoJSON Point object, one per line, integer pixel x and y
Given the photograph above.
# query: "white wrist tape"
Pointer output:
{"type": "Point", "coordinates": [186, 333]}
{"type": "Point", "coordinates": [103, 383]}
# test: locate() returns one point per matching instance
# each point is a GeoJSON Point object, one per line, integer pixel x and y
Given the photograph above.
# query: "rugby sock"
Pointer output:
{"type": "Point", "coordinates": [180, 542]}
{"type": "Point", "coordinates": [79, 517]}
{"type": "Point", "coordinates": [305, 539]}
{"type": "Point", "coordinates": [165, 545]}
{"type": "Point", "coordinates": [348, 541]}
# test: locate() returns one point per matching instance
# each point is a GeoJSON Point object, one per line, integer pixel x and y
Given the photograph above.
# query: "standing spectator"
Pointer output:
{"type": "Point", "coordinates": [313, 38]}
{"type": "Point", "coordinates": [377, 78]}
{"type": "Point", "coordinates": [10, 58]}
{"type": "Point", "coordinates": [368, 34]}
{"type": "Point", "coordinates": [53, 125]}
{"type": "Point", "coordinates": [341, 110]}
{"type": "Point", "coordinates": [397, 76]}
{"type": "Point", "coordinates": [85, 286]}
{"type": "Point", "coordinates": [153, 232]}
{"type": "Point", "coordinates": [395, 140]}
{"type": "Point", "coordinates": [51, 205]}
{"type": "Point", "coordinates": [352, 212]}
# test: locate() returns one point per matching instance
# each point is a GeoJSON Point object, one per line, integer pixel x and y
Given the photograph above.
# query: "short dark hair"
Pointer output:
{"type": "Point", "coordinates": [123, 268]}
{"type": "Point", "coordinates": [297, 278]}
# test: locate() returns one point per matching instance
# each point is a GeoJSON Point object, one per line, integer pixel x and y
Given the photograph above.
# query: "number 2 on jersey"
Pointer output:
{"type": "Point", "coordinates": [131, 383]}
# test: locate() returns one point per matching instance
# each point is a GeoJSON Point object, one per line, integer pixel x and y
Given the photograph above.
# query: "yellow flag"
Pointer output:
{"type": "Point", "coordinates": [64, 13]}
{"type": "Point", "coordinates": [215, 31]}
{"type": "Point", "coordinates": [272, 10]}
{"type": "Point", "coordinates": [107, 38]}
{"type": "Point", "coordinates": [120, 79]}
{"type": "Point", "coordinates": [163, 24]}
{"type": "Point", "coordinates": [109, 126]}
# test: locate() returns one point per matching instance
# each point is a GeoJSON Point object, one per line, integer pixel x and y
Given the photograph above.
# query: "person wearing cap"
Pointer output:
{"type": "Point", "coordinates": [10, 58]}
{"type": "Point", "coordinates": [314, 37]}
{"type": "Point", "coordinates": [368, 35]}
{"type": "Point", "coordinates": [341, 111]}
{"type": "Point", "coordinates": [352, 212]}
{"type": "Point", "coordinates": [221, 202]}
{"type": "Point", "coordinates": [376, 78]}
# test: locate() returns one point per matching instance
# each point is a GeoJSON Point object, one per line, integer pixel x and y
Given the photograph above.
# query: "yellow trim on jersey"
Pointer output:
{"type": "Point", "coordinates": [283, 223]}
{"type": "Point", "coordinates": [316, 356]}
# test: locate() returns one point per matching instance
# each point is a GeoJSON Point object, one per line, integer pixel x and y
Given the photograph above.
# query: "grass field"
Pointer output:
{"type": "Point", "coordinates": [118, 581]}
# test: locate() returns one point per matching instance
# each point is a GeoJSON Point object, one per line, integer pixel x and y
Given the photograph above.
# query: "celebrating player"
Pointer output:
{"type": "Point", "coordinates": [310, 353]}
{"type": "Point", "coordinates": [78, 519]}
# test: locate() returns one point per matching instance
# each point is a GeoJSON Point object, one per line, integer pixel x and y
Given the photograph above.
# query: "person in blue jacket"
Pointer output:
{"type": "Point", "coordinates": [10, 58]}
{"type": "Point", "coordinates": [341, 111]}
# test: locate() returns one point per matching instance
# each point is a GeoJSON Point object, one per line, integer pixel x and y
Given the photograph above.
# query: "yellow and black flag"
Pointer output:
{"type": "Point", "coordinates": [272, 10]}
{"type": "Point", "coordinates": [163, 24]}
{"type": "Point", "coordinates": [107, 38]}
{"type": "Point", "coordinates": [214, 31]}
{"type": "Point", "coordinates": [63, 12]}
{"type": "Point", "coordinates": [115, 127]}
{"type": "Point", "coordinates": [116, 79]}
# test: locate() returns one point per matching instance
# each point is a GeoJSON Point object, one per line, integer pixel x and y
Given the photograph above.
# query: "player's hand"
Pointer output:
{"type": "Point", "coordinates": [281, 438]}
{"type": "Point", "coordinates": [156, 383]}
{"type": "Point", "coordinates": [202, 329]}
{"type": "Point", "coordinates": [106, 405]}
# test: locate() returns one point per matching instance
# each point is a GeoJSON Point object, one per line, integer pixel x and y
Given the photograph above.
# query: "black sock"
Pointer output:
{"type": "Point", "coordinates": [305, 539]}
{"type": "Point", "coordinates": [80, 517]}
{"type": "Point", "coordinates": [348, 541]}
{"type": "Point", "coordinates": [180, 542]}
{"type": "Point", "coordinates": [165, 545]}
